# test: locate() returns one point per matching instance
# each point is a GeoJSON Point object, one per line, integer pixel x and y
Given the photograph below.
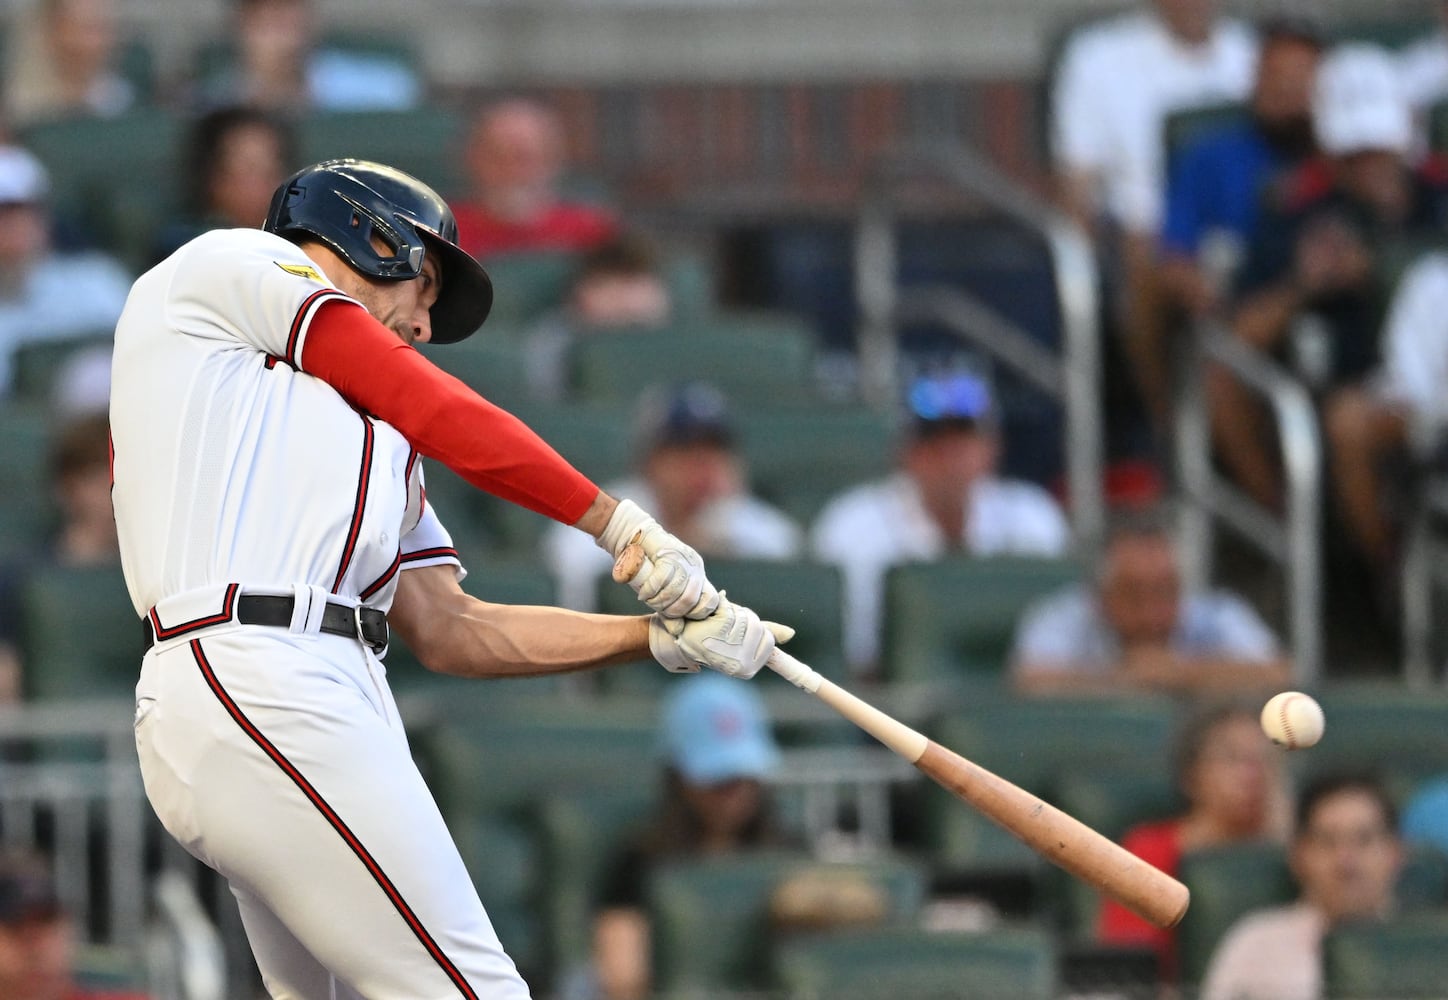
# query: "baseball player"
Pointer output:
{"type": "Point", "coordinates": [268, 413]}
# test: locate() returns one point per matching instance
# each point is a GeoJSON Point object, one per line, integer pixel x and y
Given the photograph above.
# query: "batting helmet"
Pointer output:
{"type": "Point", "coordinates": [345, 203]}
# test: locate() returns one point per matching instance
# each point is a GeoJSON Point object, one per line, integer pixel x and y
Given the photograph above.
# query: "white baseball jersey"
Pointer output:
{"type": "Point", "coordinates": [244, 487]}
{"type": "Point", "coordinates": [276, 754]}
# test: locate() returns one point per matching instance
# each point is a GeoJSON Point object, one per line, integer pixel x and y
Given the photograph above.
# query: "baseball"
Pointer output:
{"type": "Point", "coordinates": [1293, 720]}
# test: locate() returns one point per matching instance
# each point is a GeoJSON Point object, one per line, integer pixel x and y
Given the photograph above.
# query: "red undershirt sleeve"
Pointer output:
{"type": "Point", "coordinates": [439, 415]}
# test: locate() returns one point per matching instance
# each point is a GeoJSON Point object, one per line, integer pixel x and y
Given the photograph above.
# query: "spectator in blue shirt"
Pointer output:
{"type": "Point", "coordinates": [1215, 187]}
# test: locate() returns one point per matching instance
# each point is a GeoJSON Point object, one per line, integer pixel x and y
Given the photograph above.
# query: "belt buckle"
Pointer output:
{"type": "Point", "coordinates": [379, 649]}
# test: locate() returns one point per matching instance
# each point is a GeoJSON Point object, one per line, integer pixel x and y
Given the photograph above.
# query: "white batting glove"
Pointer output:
{"type": "Point", "coordinates": [732, 641]}
{"type": "Point", "coordinates": [675, 585]}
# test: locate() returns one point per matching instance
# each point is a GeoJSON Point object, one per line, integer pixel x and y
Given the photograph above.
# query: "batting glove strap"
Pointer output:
{"type": "Point", "coordinates": [732, 640]}
{"type": "Point", "coordinates": [666, 648]}
{"type": "Point", "coordinates": [675, 585]}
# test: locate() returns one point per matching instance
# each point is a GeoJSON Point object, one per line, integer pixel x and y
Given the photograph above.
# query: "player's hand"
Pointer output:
{"type": "Point", "coordinates": [732, 640]}
{"type": "Point", "coordinates": [675, 585]}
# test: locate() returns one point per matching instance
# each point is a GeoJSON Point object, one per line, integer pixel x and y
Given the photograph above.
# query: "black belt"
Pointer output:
{"type": "Point", "coordinates": [367, 625]}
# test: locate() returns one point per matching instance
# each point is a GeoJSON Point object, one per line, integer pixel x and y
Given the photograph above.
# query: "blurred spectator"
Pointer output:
{"type": "Point", "coordinates": [1425, 816]}
{"type": "Point", "coordinates": [1235, 790]}
{"type": "Point", "coordinates": [45, 295]}
{"type": "Point", "coordinates": [692, 477]}
{"type": "Point", "coordinates": [1312, 289]}
{"type": "Point", "coordinates": [82, 384]}
{"type": "Point", "coordinates": [38, 937]}
{"type": "Point", "coordinates": [1132, 627]}
{"type": "Point", "coordinates": [514, 160]}
{"type": "Point", "coordinates": [718, 751]}
{"type": "Point", "coordinates": [945, 497]}
{"type": "Point", "coordinates": [85, 535]}
{"type": "Point", "coordinates": [1423, 65]}
{"type": "Point", "coordinates": [62, 63]}
{"type": "Point", "coordinates": [1216, 186]}
{"type": "Point", "coordinates": [619, 285]}
{"type": "Point", "coordinates": [280, 64]}
{"type": "Point", "coordinates": [1345, 855]}
{"type": "Point", "coordinates": [235, 158]}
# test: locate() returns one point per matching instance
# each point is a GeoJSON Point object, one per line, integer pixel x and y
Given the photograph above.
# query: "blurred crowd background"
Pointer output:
{"type": "Point", "coordinates": [1071, 375]}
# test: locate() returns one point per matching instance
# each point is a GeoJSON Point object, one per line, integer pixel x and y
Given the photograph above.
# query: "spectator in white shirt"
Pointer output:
{"type": "Point", "coordinates": [46, 295]}
{"type": "Point", "coordinates": [693, 478]}
{"type": "Point", "coordinates": [1132, 627]}
{"type": "Point", "coordinates": [63, 62]}
{"type": "Point", "coordinates": [1400, 408]}
{"type": "Point", "coordinates": [1346, 856]}
{"type": "Point", "coordinates": [944, 497]}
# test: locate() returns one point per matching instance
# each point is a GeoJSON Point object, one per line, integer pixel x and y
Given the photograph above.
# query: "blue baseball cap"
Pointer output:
{"type": "Point", "coordinates": [956, 398]}
{"type": "Point", "coordinates": [715, 729]}
{"type": "Point", "coordinates": [688, 414]}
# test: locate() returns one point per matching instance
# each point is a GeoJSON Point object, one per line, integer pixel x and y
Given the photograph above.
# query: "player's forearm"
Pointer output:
{"type": "Point", "coordinates": [506, 640]}
{"type": "Point", "coordinates": [595, 519]}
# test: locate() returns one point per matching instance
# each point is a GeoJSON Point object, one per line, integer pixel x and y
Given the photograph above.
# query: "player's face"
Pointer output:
{"type": "Point", "coordinates": [1346, 858]}
{"type": "Point", "coordinates": [403, 306]}
{"type": "Point", "coordinates": [1231, 780]}
{"type": "Point", "coordinates": [1141, 589]}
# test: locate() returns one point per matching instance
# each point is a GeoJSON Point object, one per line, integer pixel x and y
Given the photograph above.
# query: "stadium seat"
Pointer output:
{"type": "Point", "coordinates": [24, 479]}
{"type": "Point", "coordinates": [422, 141]}
{"type": "Point", "coordinates": [1225, 883]}
{"type": "Point", "coordinates": [502, 854]}
{"type": "Point", "coordinates": [1402, 959]}
{"type": "Point", "coordinates": [1389, 728]}
{"type": "Point", "coordinates": [710, 917]}
{"type": "Point", "coordinates": [528, 285]}
{"type": "Point", "coordinates": [801, 458]}
{"type": "Point", "coordinates": [80, 636]}
{"type": "Point", "coordinates": [955, 619]}
{"type": "Point", "coordinates": [34, 365]}
{"type": "Point", "coordinates": [491, 363]}
{"type": "Point", "coordinates": [752, 359]}
{"type": "Point", "coordinates": [579, 834]}
{"type": "Point", "coordinates": [804, 595]}
{"type": "Point", "coordinates": [899, 963]}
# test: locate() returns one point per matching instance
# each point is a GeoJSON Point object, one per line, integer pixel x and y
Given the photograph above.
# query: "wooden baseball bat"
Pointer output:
{"type": "Point", "coordinates": [1063, 839]}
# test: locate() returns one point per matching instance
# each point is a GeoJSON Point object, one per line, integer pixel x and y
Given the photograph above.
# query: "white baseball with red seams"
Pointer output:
{"type": "Point", "coordinates": [1293, 720]}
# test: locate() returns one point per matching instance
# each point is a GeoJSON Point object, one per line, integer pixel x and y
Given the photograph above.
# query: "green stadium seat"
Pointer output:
{"type": "Point", "coordinates": [1389, 728]}
{"type": "Point", "coordinates": [710, 921]}
{"type": "Point", "coordinates": [115, 175]}
{"type": "Point", "coordinates": [800, 458]}
{"type": "Point", "coordinates": [492, 365]}
{"type": "Point", "coordinates": [1226, 882]}
{"type": "Point", "coordinates": [422, 141]}
{"type": "Point", "coordinates": [36, 364]}
{"type": "Point", "coordinates": [1402, 959]}
{"type": "Point", "coordinates": [80, 636]}
{"type": "Point", "coordinates": [528, 285]}
{"type": "Point", "coordinates": [955, 619]}
{"type": "Point", "coordinates": [898, 963]}
{"type": "Point", "coordinates": [503, 856]}
{"type": "Point", "coordinates": [804, 595]}
{"type": "Point", "coordinates": [751, 359]}
{"type": "Point", "coordinates": [578, 835]}
{"type": "Point", "coordinates": [1032, 743]}
{"type": "Point", "coordinates": [25, 432]}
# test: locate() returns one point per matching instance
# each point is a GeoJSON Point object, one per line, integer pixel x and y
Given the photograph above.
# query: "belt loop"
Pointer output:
{"type": "Point", "coordinates": [308, 604]}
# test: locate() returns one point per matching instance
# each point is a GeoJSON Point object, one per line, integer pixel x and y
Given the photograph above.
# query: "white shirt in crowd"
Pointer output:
{"type": "Point", "coordinates": [1414, 368]}
{"type": "Point", "coordinates": [1271, 954]}
{"type": "Point", "coordinates": [872, 527]}
{"type": "Point", "coordinates": [1117, 82]}
{"type": "Point", "coordinates": [64, 295]}
{"type": "Point", "coordinates": [741, 527]}
{"type": "Point", "coordinates": [1066, 631]}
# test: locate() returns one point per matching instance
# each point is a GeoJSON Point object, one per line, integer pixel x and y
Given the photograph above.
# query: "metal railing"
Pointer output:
{"type": "Point", "coordinates": [1073, 377]}
{"type": "Point", "coordinates": [1293, 541]}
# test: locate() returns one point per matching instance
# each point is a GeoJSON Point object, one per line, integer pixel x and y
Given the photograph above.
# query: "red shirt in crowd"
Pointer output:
{"type": "Point", "coordinates": [1158, 844]}
{"type": "Point", "coordinates": [567, 226]}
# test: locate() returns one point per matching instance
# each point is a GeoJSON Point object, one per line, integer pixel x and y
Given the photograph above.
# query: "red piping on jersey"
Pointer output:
{"type": "Point", "coordinates": [440, 416]}
{"type": "Point", "coordinates": [364, 478]}
{"type": "Point", "coordinates": [441, 552]}
{"type": "Point", "coordinates": [299, 321]}
{"type": "Point", "coordinates": [374, 869]}
{"type": "Point", "coordinates": [174, 631]}
{"type": "Point", "coordinates": [381, 581]}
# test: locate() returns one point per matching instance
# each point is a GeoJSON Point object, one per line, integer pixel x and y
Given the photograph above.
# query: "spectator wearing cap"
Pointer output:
{"type": "Point", "coordinates": [37, 937]}
{"type": "Point", "coordinates": [945, 497]}
{"type": "Point", "coordinates": [618, 287]}
{"type": "Point", "coordinates": [514, 160]}
{"type": "Point", "coordinates": [1314, 289]}
{"type": "Point", "coordinates": [44, 294]}
{"type": "Point", "coordinates": [63, 62]}
{"type": "Point", "coordinates": [1132, 627]}
{"type": "Point", "coordinates": [691, 475]}
{"type": "Point", "coordinates": [718, 752]}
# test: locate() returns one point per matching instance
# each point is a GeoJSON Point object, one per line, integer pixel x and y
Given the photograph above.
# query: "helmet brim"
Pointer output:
{"type": "Point", "coordinates": [467, 292]}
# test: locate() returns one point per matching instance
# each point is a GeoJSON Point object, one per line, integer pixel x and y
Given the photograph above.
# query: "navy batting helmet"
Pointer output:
{"type": "Point", "coordinates": [345, 203]}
